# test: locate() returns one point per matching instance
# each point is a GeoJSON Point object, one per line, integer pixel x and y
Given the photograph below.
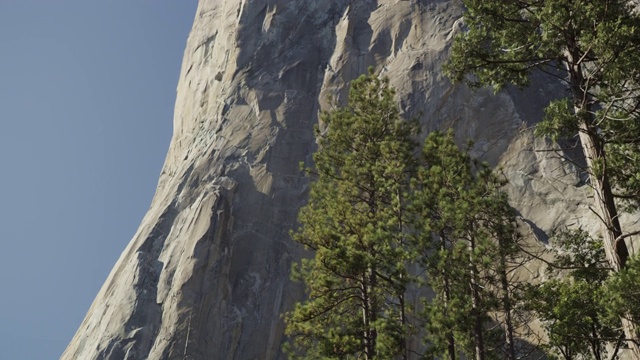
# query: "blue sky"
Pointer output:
{"type": "Point", "coordinates": [87, 90]}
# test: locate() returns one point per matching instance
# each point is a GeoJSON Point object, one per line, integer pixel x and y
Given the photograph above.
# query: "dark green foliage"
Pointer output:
{"type": "Point", "coordinates": [355, 223]}
{"type": "Point", "coordinates": [468, 232]}
{"type": "Point", "coordinates": [594, 48]}
{"type": "Point", "coordinates": [571, 307]}
{"type": "Point", "coordinates": [375, 211]}
{"type": "Point", "coordinates": [622, 298]}
{"type": "Point", "coordinates": [505, 41]}
{"type": "Point", "coordinates": [623, 156]}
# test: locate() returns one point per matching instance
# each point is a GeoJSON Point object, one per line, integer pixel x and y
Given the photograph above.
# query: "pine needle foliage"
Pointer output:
{"type": "Point", "coordinates": [572, 307]}
{"type": "Point", "coordinates": [380, 216]}
{"type": "Point", "coordinates": [355, 224]}
{"type": "Point", "coordinates": [593, 47]}
{"type": "Point", "coordinates": [469, 232]}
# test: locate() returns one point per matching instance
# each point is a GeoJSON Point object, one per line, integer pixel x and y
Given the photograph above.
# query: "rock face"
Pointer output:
{"type": "Point", "coordinates": [207, 274]}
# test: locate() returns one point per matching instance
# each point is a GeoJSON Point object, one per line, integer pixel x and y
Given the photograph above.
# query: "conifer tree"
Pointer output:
{"type": "Point", "coordinates": [468, 230]}
{"type": "Point", "coordinates": [591, 46]}
{"type": "Point", "coordinates": [621, 297]}
{"type": "Point", "coordinates": [355, 224]}
{"type": "Point", "coordinates": [573, 308]}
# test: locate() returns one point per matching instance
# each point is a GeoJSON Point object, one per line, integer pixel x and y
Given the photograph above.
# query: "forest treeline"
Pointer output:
{"type": "Point", "coordinates": [388, 218]}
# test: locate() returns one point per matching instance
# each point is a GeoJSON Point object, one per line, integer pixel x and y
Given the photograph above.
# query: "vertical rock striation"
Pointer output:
{"type": "Point", "coordinates": [206, 276]}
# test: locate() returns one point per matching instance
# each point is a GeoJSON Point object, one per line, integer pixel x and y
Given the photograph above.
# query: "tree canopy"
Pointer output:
{"type": "Point", "coordinates": [469, 233]}
{"type": "Point", "coordinates": [355, 223]}
{"type": "Point", "coordinates": [380, 216]}
{"type": "Point", "coordinates": [593, 48]}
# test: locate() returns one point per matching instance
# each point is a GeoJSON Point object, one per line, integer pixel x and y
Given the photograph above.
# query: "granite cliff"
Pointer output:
{"type": "Point", "coordinates": [206, 276]}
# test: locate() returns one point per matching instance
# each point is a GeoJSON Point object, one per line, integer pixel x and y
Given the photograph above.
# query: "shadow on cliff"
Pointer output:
{"type": "Point", "coordinates": [142, 326]}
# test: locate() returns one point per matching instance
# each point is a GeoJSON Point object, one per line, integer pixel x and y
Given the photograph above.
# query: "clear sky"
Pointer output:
{"type": "Point", "coordinates": [87, 90]}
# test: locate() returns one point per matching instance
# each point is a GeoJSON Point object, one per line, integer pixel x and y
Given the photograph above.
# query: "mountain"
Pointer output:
{"type": "Point", "coordinates": [206, 276]}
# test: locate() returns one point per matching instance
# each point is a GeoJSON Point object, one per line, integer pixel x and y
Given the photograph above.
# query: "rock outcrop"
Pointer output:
{"type": "Point", "coordinates": [206, 276]}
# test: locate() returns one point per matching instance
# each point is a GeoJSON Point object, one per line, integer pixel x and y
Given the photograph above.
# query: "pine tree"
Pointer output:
{"type": "Point", "coordinates": [355, 224]}
{"type": "Point", "coordinates": [572, 308]}
{"type": "Point", "coordinates": [621, 297]}
{"type": "Point", "coordinates": [591, 46]}
{"type": "Point", "coordinates": [469, 234]}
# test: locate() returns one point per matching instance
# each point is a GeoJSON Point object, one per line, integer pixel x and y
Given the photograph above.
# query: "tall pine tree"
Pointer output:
{"type": "Point", "coordinates": [469, 234]}
{"type": "Point", "coordinates": [355, 224]}
{"type": "Point", "coordinates": [591, 46]}
{"type": "Point", "coordinates": [571, 306]}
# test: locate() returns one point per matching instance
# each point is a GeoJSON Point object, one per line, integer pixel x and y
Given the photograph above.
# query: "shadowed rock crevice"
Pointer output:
{"type": "Point", "coordinates": [142, 325]}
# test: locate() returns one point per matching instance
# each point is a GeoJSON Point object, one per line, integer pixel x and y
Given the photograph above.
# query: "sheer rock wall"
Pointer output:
{"type": "Point", "coordinates": [206, 276]}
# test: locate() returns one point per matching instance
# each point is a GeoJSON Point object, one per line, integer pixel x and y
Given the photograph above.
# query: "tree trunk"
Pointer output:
{"type": "Point", "coordinates": [402, 290]}
{"type": "Point", "coordinates": [451, 342]}
{"type": "Point", "coordinates": [615, 247]}
{"type": "Point", "coordinates": [403, 322]}
{"type": "Point", "coordinates": [366, 324]}
{"type": "Point", "coordinates": [506, 304]}
{"type": "Point", "coordinates": [477, 326]}
{"type": "Point", "coordinates": [593, 149]}
{"type": "Point", "coordinates": [369, 312]}
{"type": "Point", "coordinates": [373, 315]}
{"type": "Point", "coordinates": [476, 304]}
